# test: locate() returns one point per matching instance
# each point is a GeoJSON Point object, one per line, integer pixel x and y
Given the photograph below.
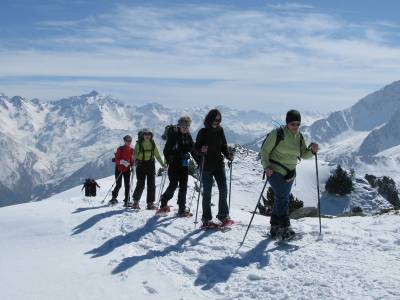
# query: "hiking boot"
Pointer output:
{"type": "Point", "coordinates": [127, 203]}
{"type": "Point", "coordinates": [223, 219]}
{"type": "Point", "coordinates": [151, 206]}
{"type": "Point", "coordinates": [207, 223]}
{"type": "Point", "coordinates": [184, 212]}
{"type": "Point", "coordinates": [135, 205]}
{"type": "Point", "coordinates": [288, 233]}
{"type": "Point", "coordinates": [165, 209]}
{"type": "Point", "coordinates": [113, 201]}
{"type": "Point", "coordinates": [275, 231]}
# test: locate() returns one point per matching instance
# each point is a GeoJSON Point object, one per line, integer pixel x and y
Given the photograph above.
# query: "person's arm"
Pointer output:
{"type": "Point", "coordinates": [200, 141]}
{"type": "Point", "coordinates": [132, 161]}
{"type": "Point", "coordinates": [136, 151]}
{"type": "Point", "coordinates": [169, 146]}
{"type": "Point", "coordinates": [224, 145]}
{"type": "Point", "coordinates": [192, 151]}
{"type": "Point", "coordinates": [267, 148]}
{"type": "Point", "coordinates": [158, 156]}
{"type": "Point", "coordinates": [306, 152]}
{"type": "Point", "coordinates": [118, 157]}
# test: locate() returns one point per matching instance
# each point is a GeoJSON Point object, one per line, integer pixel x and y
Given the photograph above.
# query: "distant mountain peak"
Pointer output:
{"type": "Point", "coordinates": [93, 93]}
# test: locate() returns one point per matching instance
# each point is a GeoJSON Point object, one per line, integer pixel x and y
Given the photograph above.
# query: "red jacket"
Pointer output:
{"type": "Point", "coordinates": [124, 153]}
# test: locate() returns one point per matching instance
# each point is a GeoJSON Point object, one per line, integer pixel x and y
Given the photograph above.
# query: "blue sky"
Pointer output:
{"type": "Point", "coordinates": [266, 55]}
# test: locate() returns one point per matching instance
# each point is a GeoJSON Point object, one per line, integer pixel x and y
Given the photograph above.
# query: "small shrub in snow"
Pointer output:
{"type": "Point", "coordinates": [265, 207]}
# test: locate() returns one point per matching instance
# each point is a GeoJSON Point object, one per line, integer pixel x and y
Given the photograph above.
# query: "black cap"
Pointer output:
{"type": "Point", "coordinates": [293, 116]}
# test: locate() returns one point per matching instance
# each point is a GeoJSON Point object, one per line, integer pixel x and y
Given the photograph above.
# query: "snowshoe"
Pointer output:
{"type": "Point", "coordinates": [288, 233]}
{"type": "Point", "coordinates": [113, 201]}
{"type": "Point", "coordinates": [209, 225]}
{"type": "Point", "coordinates": [227, 223]}
{"type": "Point", "coordinates": [151, 206]}
{"type": "Point", "coordinates": [135, 205]}
{"type": "Point", "coordinates": [164, 210]}
{"type": "Point", "coordinates": [184, 213]}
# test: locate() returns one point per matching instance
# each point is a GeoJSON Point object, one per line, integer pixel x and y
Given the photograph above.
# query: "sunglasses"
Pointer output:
{"type": "Point", "coordinates": [217, 120]}
{"type": "Point", "coordinates": [146, 133]}
{"type": "Point", "coordinates": [185, 127]}
{"type": "Point", "coordinates": [294, 124]}
{"type": "Point", "coordinates": [128, 141]}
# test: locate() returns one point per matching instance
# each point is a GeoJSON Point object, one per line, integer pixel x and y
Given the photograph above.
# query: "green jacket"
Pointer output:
{"type": "Point", "coordinates": [285, 153]}
{"type": "Point", "coordinates": [147, 152]}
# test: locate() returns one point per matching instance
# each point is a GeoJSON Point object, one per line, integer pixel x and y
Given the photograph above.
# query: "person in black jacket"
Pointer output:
{"type": "Point", "coordinates": [211, 143]}
{"type": "Point", "coordinates": [177, 152]}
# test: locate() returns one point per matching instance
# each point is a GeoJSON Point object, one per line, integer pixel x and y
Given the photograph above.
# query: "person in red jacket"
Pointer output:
{"type": "Point", "coordinates": [124, 159]}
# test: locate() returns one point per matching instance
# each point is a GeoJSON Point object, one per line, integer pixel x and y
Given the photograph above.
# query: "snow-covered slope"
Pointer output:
{"type": "Point", "coordinates": [70, 247]}
{"type": "Point", "coordinates": [50, 147]}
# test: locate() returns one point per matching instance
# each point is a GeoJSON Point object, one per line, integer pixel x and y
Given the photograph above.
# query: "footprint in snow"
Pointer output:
{"type": "Point", "coordinates": [149, 289]}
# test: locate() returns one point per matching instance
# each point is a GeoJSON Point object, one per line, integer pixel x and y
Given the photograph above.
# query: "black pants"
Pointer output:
{"type": "Point", "coordinates": [176, 175]}
{"type": "Point", "coordinates": [145, 169]}
{"type": "Point", "coordinates": [127, 177]}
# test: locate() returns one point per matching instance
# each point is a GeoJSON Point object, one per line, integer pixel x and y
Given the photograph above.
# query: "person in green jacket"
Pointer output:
{"type": "Point", "coordinates": [280, 152]}
{"type": "Point", "coordinates": [145, 152]}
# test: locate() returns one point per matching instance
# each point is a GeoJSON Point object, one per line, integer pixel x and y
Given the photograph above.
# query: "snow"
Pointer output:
{"type": "Point", "coordinates": [71, 247]}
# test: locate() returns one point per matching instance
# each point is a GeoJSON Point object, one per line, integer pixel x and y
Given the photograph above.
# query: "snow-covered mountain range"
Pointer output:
{"type": "Point", "coordinates": [365, 136]}
{"type": "Point", "coordinates": [48, 147]}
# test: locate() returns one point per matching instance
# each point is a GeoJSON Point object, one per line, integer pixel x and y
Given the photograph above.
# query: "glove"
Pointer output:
{"type": "Point", "coordinates": [124, 163]}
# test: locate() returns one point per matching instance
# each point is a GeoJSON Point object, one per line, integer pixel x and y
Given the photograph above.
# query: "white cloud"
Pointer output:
{"type": "Point", "coordinates": [243, 49]}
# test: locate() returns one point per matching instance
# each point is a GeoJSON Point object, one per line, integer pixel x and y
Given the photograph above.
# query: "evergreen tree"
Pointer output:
{"type": "Point", "coordinates": [339, 182]}
{"type": "Point", "coordinates": [386, 187]}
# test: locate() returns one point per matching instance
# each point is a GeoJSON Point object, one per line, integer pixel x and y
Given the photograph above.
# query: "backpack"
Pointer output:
{"type": "Point", "coordinates": [141, 149]}
{"type": "Point", "coordinates": [280, 136]}
{"type": "Point", "coordinates": [87, 188]}
{"type": "Point", "coordinates": [169, 129]}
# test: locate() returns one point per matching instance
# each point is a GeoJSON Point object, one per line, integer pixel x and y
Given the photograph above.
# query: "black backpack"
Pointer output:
{"type": "Point", "coordinates": [169, 129]}
{"type": "Point", "coordinates": [280, 136]}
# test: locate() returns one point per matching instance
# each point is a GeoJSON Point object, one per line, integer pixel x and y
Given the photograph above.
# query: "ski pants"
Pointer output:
{"type": "Point", "coordinates": [220, 177]}
{"type": "Point", "coordinates": [127, 177]}
{"type": "Point", "coordinates": [145, 169]}
{"type": "Point", "coordinates": [176, 175]}
{"type": "Point", "coordinates": [280, 210]}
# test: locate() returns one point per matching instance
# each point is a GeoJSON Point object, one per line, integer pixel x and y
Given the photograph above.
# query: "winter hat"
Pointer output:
{"type": "Point", "coordinates": [293, 116]}
{"type": "Point", "coordinates": [127, 138]}
{"type": "Point", "coordinates": [147, 130]}
{"type": "Point", "coordinates": [184, 121]}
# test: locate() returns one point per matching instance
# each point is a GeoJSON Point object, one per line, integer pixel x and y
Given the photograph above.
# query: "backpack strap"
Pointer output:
{"type": "Point", "coordinates": [280, 136]}
{"type": "Point", "coordinates": [153, 146]}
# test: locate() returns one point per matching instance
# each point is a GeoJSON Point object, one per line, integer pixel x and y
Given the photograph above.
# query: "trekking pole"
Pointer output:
{"type": "Point", "coordinates": [111, 187]}
{"type": "Point", "coordinates": [131, 182]}
{"type": "Point", "coordinates": [230, 184]}
{"type": "Point", "coordinates": [201, 185]}
{"type": "Point", "coordinates": [194, 191]}
{"type": "Point", "coordinates": [163, 179]}
{"type": "Point", "coordinates": [319, 199]}
{"type": "Point", "coordinates": [254, 212]}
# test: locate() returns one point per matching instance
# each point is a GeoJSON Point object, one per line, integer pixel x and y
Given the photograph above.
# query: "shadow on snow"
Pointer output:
{"type": "Point", "coordinates": [134, 236]}
{"type": "Point", "coordinates": [220, 270]}
{"type": "Point", "coordinates": [95, 219]}
{"type": "Point", "coordinates": [129, 262]}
